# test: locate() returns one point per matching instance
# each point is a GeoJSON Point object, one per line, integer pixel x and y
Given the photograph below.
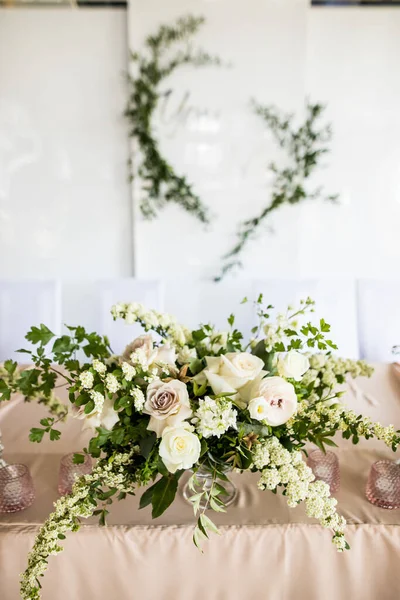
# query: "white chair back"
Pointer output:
{"type": "Point", "coordinates": [113, 291]}
{"type": "Point", "coordinates": [22, 305]}
{"type": "Point", "coordinates": [379, 318]}
{"type": "Point", "coordinates": [195, 301]}
{"type": "Point", "coordinates": [335, 302]}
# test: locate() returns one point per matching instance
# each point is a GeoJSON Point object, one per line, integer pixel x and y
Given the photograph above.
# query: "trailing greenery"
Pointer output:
{"type": "Point", "coordinates": [161, 184]}
{"type": "Point", "coordinates": [304, 146]}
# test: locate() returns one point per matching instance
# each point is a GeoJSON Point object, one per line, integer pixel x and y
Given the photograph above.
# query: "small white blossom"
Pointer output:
{"type": "Point", "coordinates": [99, 367]}
{"type": "Point", "coordinates": [128, 370]}
{"type": "Point", "coordinates": [98, 400]}
{"type": "Point", "coordinates": [112, 383]}
{"type": "Point", "coordinates": [214, 417]}
{"type": "Point", "coordinates": [86, 378]}
{"type": "Point", "coordinates": [138, 399]}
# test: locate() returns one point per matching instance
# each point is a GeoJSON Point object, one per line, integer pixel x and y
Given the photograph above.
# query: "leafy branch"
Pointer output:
{"type": "Point", "coordinates": [160, 182]}
{"type": "Point", "coordinates": [304, 146]}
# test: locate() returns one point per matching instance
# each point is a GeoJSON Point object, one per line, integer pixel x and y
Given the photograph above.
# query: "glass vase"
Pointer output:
{"type": "Point", "coordinates": [204, 480]}
{"type": "Point", "coordinates": [69, 472]}
{"type": "Point", "coordinates": [383, 485]}
{"type": "Point", "coordinates": [16, 488]}
{"type": "Point", "coordinates": [325, 466]}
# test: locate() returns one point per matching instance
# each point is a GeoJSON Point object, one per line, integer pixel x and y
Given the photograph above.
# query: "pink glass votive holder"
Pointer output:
{"type": "Point", "coordinates": [17, 491]}
{"type": "Point", "coordinates": [325, 467]}
{"type": "Point", "coordinates": [69, 472]}
{"type": "Point", "coordinates": [383, 485]}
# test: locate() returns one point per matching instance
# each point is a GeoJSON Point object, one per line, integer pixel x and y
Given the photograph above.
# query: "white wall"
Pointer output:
{"type": "Point", "coordinates": [64, 196]}
{"type": "Point", "coordinates": [282, 51]}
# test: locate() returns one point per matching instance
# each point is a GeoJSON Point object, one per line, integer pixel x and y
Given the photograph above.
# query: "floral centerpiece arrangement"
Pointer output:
{"type": "Point", "coordinates": [199, 400]}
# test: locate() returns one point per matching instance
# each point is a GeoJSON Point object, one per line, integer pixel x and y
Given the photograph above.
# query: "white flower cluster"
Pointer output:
{"type": "Point", "coordinates": [128, 370]}
{"type": "Point", "coordinates": [138, 399]}
{"type": "Point", "coordinates": [99, 367]}
{"type": "Point", "coordinates": [332, 370]}
{"type": "Point", "coordinates": [67, 512]}
{"type": "Point", "coordinates": [280, 467]}
{"type": "Point", "coordinates": [214, 417]}
{"type": "Point", "coordinates": [98, 400]}
{"type": "Point", "coordinates": [162, 323]}
{"type": "Point", "coordinates": [112, 383]}
{"type": "Point", "coordinates": [87, 379]}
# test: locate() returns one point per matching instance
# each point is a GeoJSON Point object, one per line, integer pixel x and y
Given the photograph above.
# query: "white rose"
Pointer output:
{"type": "Point", "coordinates": [273, 400]}
{"type": "Point", "coordinates": [167, 404]}
{"type": "Point", "coordinates": [179, 448]}
{"type": "Point", "coordinates": [293, 365]}
{"type": "Point", "coordinates": [230, 372]}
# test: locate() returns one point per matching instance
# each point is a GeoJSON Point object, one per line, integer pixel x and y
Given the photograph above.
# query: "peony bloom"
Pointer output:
{"type": "Point", "coordinates": [167, 404]}
{"type": "Point", "coordinates": [179, 447]}
{"type": "Point", "coordinates": [273, 400]}
{"type": "Point", "coordinates": [293, 365]}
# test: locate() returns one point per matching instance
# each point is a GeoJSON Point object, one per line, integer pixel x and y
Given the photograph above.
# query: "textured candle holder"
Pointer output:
{"type": "Point", "coordinates": [69, 472]}
{"type": "Point", "coordinates": [17, 491]}
{"type": "Point", "coordinates": [325, 467]}
{"type": "Point", "coordinates": [383, 485]}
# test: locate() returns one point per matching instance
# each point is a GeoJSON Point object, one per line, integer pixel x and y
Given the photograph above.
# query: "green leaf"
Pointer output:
{"type": "Point", "coordinates": [198, 538]}
{"type": "Point", "coordinates": [106, 495]}
{"type": "Point", "coordinates": [163, 495]}
{"type": "Point", "coordinates": [10, 366]}
{"type": "Point", "coordinates": [63, 344]}
{"type": "Point", "coordinates": [199, 390]}
{"type": "Point", "coordinates": [89, 407]}
{"type": "Point", "coordinates": [199, 335]}
{"type": "Point", "coordinates": [231, 319]}
{"type": "Point", "coordinates": [208, 524]}
{"type": "Point", "coordinates": [5, 391]}
{"type": "Point", "coordinates": [146, 445]}
{"type": "Point", "coordinates": [147, 497]}
{"type": "Point", "coordinates": [54, 434]}
{"type": "Point", "coordinates": [36, 434]}
{"type": "Point", "coordinates": [196, 365]}
{"type": "Point", "coordinates": [39, 335]}
{"type": "Point", "coordinates": [78, 459]}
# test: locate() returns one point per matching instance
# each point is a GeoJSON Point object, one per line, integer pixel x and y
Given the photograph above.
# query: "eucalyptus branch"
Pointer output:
{"type": "Point", "coordinates": [304, 147]}
{"type": "Point", "coordinates": [160, 181]}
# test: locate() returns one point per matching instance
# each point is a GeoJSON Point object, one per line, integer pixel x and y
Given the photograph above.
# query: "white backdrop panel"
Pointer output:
{"type": "Point", "coordinates": [22, 305]}
{"type": "Point", "coordinates": [215, 139]}
{"type": "Point", "coordinates": [379, 318]}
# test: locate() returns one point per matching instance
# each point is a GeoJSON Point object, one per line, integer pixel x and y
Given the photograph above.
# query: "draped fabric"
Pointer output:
{"type": "Point", "coordinates": [265, 549]}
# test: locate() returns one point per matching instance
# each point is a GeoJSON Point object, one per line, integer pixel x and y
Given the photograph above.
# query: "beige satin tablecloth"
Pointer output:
{"type": "Point", "coordinates": [266, 550]}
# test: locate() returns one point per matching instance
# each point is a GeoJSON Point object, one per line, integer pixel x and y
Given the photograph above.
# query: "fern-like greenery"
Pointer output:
{"type": "Point", "coordinates": [304, 146]}
{"type": "Point", "coordinates": [163, 53]}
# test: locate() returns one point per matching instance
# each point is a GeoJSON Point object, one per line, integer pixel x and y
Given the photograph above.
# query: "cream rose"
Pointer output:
{"type": "Point", "coordinates": [167, 404]}
{"type": "Point", "coordinates": [230, 372]}
{"type": "Point", "coordinates": [179, 448]}
{"type": "Point", "coordinates": [273, 400]}
{"type": "Point", "coordinates": [293, 365]}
